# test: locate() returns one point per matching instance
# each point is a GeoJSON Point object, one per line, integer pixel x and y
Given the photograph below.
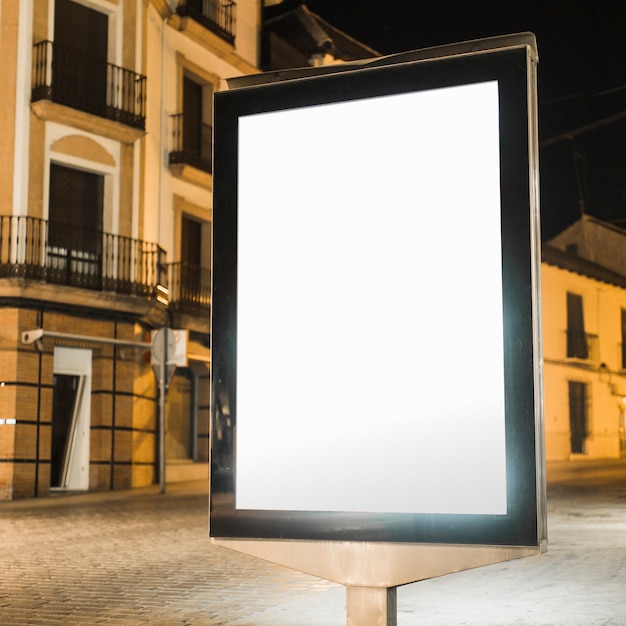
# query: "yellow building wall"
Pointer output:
{"type": "Point", "coordinates": [601, 372]}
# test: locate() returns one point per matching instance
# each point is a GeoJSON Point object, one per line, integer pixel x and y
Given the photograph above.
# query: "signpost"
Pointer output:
{"type": "Point", "coordinates": [376, 371]}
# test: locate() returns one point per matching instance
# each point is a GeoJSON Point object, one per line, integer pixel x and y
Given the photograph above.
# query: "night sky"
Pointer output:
{"type": "Point", "coordinates": [581, 74]}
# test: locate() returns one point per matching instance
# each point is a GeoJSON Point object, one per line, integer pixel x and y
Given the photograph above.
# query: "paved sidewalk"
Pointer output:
{"type": "Point", "coordinates": [131, 559]}
{"type": "Point", "coordinates": [140, 558]}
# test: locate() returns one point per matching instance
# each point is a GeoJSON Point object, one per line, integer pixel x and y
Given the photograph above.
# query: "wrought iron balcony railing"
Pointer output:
{"type": "Point", "coordinates": [217, 16]}
{"type": "Point", "coordinates": [190, 288]}
{"type": "Point", "coordinates": [581, 345]}
{"type": "Point", "coordinates": [88, 84]}
{"type": "Point", "coordinates": [191, 148]}
{"type": "Point", "coordinates": [66, 255]}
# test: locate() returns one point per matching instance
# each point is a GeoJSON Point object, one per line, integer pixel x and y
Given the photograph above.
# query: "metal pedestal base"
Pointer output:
{"type": "Point", "coordinates": [371, 572]}
{"type": "Point", "coordinates": [371, 606]}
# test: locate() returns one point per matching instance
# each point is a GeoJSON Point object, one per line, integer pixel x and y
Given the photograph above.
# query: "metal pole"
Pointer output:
{"type": "Point", "coordinates": [30, 336]}
{"type": "Point", "coordinates": [162, 384]}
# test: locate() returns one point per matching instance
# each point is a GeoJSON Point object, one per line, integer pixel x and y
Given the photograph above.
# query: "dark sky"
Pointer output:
{"type": "Point", "coordinates": [582, 82]}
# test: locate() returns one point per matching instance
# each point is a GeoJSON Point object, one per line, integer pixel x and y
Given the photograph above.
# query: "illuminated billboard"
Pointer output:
{"type": "Point", "coordinates": [373, 360]}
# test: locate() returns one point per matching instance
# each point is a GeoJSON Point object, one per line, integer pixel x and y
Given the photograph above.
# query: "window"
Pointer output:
{"type": "Point", "coordinates": [75, 216]}
{"type": "Point", "coordinates": [187, 414]}
{"type": "Point", "coordinates": [217, 16]}
{"type": "Point", "coordinates": [192, 117]}
{"type": "Point", "coordinates": [79, 62]}
{"type": "Point", "coordinates": [623, 338]}
{"type": "Point", "coordinates": [179, 416]}
{"type": "Point", "coordinates": [578, 416]}
{"type": "Point", "coordinates": [191, 130]}
{"type": "Point", "coordinates": [190, 279]}
{"type": "Point", "coordinates": [191, 241]}
{"type": "Point", "coordinates": [576, 338]}
{"type": "Point", "coordinates": [192, 133]}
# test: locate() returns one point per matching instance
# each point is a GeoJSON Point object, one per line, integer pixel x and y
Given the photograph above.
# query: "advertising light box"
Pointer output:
{"type": "Point", "coordinates": [374, 369]}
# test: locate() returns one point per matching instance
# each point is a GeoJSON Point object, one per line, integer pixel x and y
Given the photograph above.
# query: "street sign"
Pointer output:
{"type": "Point", "coordinates": [169, 350]}
{"type": "Point", "coordinates": [169, 346]}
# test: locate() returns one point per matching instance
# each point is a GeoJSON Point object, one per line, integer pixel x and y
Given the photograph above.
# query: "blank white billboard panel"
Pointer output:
{"type": "Point", "coordinates": [369, 294]}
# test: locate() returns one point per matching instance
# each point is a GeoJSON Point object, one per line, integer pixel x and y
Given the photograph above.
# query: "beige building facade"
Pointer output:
{"type": "Point", "coordinates": [105, 232]}
{"type": "Point", "coordinates": [584, 341]}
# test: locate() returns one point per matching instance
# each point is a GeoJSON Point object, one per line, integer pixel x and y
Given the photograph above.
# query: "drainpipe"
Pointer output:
{"type": "Point", "coordinates": [162, 130]}
{"type": "Point", "coordinates": [162, 135]}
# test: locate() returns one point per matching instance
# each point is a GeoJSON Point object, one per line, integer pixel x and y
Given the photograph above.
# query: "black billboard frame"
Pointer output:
{"type": "Point", "coordinates": [511, 62]}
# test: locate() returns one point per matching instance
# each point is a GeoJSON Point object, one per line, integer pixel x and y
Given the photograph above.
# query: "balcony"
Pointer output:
{"type": "Point", "coordinates": [581, 345]}
{"type": "Point", "coordinates": [188, 148]}
{"type": "Point", "coordinates": [62, 254]}
{"type": "Point", "coordinates": [190, 288]}
{"type": "Point", "coordinates": [217, 16]}
{"type": "Point", "coordinates": [88, 84]}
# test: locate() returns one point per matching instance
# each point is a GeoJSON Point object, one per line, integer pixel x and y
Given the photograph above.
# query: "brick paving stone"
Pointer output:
{"type": "Point", "coordinates": [129, 559]}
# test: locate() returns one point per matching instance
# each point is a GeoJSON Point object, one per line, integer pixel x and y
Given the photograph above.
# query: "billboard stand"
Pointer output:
{"type": "Point", "coordinates": [371, 571]}
{"type": "Point", "coordinates": [376, 371]}
{"type": "Point", "coordinates": [371, 606]}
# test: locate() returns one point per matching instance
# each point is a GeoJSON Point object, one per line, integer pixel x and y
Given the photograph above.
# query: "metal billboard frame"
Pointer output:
{"type": "Point", "coordinates": [378, 552]}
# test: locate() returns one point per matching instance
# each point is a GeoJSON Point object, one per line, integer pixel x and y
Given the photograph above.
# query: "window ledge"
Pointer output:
{"type": "Point", "coordinates": [192, 175]}
{"type": "Point", "coordinates": [53, 112]}
{"type": "Point", "coordinates": [213, 42]}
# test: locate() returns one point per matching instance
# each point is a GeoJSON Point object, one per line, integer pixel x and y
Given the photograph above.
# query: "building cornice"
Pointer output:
{"type": "Point", "coordinates": [211, 42]}
{"type": "Point", "coordinates": [22, 291]}
{"type": "Point", "coordinates": [53, 112]}
{"type": "Point", "coordinates": [162, 7]}
{"type": "Point", "coordinates": [573, 263]}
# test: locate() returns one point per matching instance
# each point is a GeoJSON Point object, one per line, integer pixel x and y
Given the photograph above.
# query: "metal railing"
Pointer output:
{"type": "Point", "coordinates": [581, 345]}
{"type": "Point", "coordinates": [195, 151]}
{"type": "Point", "coordinates": [190, 288]}
{"type": "Point", "coordinates": [88, 84]}
{"type": "Point", "coordinates": [215, 15]}
{"type": "Point", "coordinates": [63, 254]}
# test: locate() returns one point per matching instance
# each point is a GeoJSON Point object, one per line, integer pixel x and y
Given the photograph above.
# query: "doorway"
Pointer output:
{"type": "Point", "coordinates": [71, 408]}
{"type": "Point", "coordinates": [179, 417]}
{"type": "Point", "coordinates": [197, 115]}
{"type": "Point", "coordinates": [67, 392]}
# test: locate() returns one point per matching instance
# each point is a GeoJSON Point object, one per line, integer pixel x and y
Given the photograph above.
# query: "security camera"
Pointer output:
{"type": "Point", "coordinates": [30, 336]}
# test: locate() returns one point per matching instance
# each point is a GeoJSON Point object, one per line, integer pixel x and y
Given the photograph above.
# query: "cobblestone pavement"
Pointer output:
{"type": "Point", "coordinates": [119, 560]}
{"type": "Point", "coordinates": [129, 559]}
